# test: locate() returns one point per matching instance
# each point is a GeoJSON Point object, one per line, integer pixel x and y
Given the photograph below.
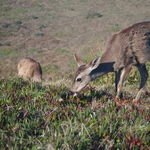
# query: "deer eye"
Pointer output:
{"type": "Point", "coordinates": [78, 79]}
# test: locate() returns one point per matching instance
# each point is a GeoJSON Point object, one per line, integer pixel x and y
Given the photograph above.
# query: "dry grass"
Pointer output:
{"type": "Point", "coordinates": [73, 26]}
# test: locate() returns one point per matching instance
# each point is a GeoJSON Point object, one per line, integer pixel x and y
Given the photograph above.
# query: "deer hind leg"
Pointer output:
{"type": "Point", "coordinates": [125, 72]}
{"type": "Point", "coordinates": [143, 75]}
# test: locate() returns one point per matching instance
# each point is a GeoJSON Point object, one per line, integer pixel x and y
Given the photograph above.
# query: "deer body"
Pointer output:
{"type": "Point", "coordinates": [130, 47]}
{"type": "Point", "coordinates": [29, 69]}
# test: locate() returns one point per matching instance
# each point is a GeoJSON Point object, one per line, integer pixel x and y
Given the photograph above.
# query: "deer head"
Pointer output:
{"type": "Point", "coordinates": [83, 74]}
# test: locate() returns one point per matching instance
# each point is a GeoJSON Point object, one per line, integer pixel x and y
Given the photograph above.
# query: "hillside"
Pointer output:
{"type": "Point", "coordinates": [39, 118]}
{"type": "Point", "coordinates": [47, 116]}
{"type": "Point", "coordinates": [52, 31]}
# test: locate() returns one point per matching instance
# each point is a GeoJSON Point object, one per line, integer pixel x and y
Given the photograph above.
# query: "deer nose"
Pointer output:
{"type": "Point", "coordinates": [72, 90]}
{"type": "Point", "coordinates": [73, 93]}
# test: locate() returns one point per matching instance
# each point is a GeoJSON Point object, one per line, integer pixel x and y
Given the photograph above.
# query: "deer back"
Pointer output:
{"type": "Point", "coordinates": [129, 46]}
{"type": "Point", "coordinates": [30, 69]}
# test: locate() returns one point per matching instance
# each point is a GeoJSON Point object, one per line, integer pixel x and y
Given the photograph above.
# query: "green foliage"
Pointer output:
{"type": "Point", "coordinates": [12, 13]}
{"type": "Point", "coordinates": [93, 14]}
{"type": "Point", "coordinates": [35, 50]}
{"type": "Point", "coordinates": [50, 68]}
{"type": "Point", "coordinates": [8, 52]}
{"type": "Point", "coordinates": [37, 117]}
{"type": "Point", "coordinates": [60, 35]}
{"type": "Point", "coordinates": [39, 33]}
{"type": "Point", "coordinates": [62, 51]}
{"type": "Point", "coordinates": [116, 28]}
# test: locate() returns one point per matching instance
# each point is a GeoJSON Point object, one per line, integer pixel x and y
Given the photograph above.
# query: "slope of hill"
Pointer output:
{"type": "Point", "coordinates": [33, 116]}
{"type": "Point", "coordinates": [51, 31]}
{"type": "Point", "coordinates": [38, 118]}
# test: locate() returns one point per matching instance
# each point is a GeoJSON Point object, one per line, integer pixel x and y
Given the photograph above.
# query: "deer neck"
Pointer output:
{"type": "Point", "coordinates": [102, 69]}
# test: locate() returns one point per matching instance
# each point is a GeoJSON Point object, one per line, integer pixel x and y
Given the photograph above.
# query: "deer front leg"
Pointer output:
{"type": "Point", "coordinates": [124, 74]}
{"type": "Point", "coordinates": [117, 78]}
{"type": "Point", "coordinates": [143, 75]}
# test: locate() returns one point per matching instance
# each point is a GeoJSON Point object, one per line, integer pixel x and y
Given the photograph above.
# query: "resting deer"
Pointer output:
{"type": "Point", "coordinates": [130, 47]}
{"type": "Point", "coordinates": [29, 69]}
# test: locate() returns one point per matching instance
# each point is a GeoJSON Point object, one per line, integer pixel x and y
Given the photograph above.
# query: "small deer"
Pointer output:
{"type": "Point", "coordinates": [29, 69]}
{"type": "Point", "coordinates": [125, 49]}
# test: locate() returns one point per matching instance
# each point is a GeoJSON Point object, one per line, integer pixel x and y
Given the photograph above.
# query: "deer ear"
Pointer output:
{"type": "Point", "coordinates": [95, 62]}
{"type": "Point", "coordinates": [78, 60]}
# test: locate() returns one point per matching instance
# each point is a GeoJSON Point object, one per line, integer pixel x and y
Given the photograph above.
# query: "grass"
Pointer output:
{"type": "Point", "coordinates": [49, 117]}
{"type": "Point", "coordinates": [116, 28]}
{"type": "Point", "coordinates": [8, 52]}
{"type": "Point", "coordinates": [70, 25]}
{"type": "Point", "coordinates": [35, 50]}
{"type": "Point", "coordinates": [60, 35]}
{"type": "Point", "coordinates": [50, 68]}
{"type": "Point", "coordinates": [12, 13]}
{"type": "Point", "coordinates": [37, 117]}
{"type": "Point", "coordinates": [93, 14]}
{"type": "Point", "coordinates": [39, 33]}
{"type": "Point", "coordinates": [62, 51]}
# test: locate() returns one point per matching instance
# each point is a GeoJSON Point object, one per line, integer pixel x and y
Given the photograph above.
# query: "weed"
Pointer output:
{"type": "Point", "coordinates": [36, 117]}
{"type": "Point", "coordinates": [116, 28]}
{"type": "Point", "coordinates": [92, 14]}
{"type": "Point", "coordinates": [60, 35]}
{"type": "Point", "coordinates": [35, 17]}
{"type": "Point", "coordinates": [62, 51]}
{"type": "Point", "coordinates": [50, 68]}
{"type": "Point", "coordinates": [8, 52]}
{"type": "Point", "coordinates": [39, 33]}
{"type": "Point", "coordinates": [35, 50]}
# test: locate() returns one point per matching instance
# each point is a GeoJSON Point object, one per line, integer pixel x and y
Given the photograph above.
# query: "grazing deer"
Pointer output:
{"type": "Point", "coordinates": [130, 47]}
{"type": "Point", "coordinates": [29, 69]}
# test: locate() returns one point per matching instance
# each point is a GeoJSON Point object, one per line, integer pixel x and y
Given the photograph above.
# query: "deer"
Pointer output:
{"type": "Point", "coordinates": [29, 69]}
{"type": "Point", "coordinates": [125, 49]}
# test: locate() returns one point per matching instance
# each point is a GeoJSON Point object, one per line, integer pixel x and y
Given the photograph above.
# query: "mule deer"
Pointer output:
{"type": "Point", "coordinates": [29, 69]}
{"type": "Point", "coordinates": [127, 48]}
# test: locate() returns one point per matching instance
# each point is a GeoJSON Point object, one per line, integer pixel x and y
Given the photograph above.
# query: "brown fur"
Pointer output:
{"type": "Point", "coordinates": [29, 69]}
{"type": "Point", "coordinates": [130, 47]}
